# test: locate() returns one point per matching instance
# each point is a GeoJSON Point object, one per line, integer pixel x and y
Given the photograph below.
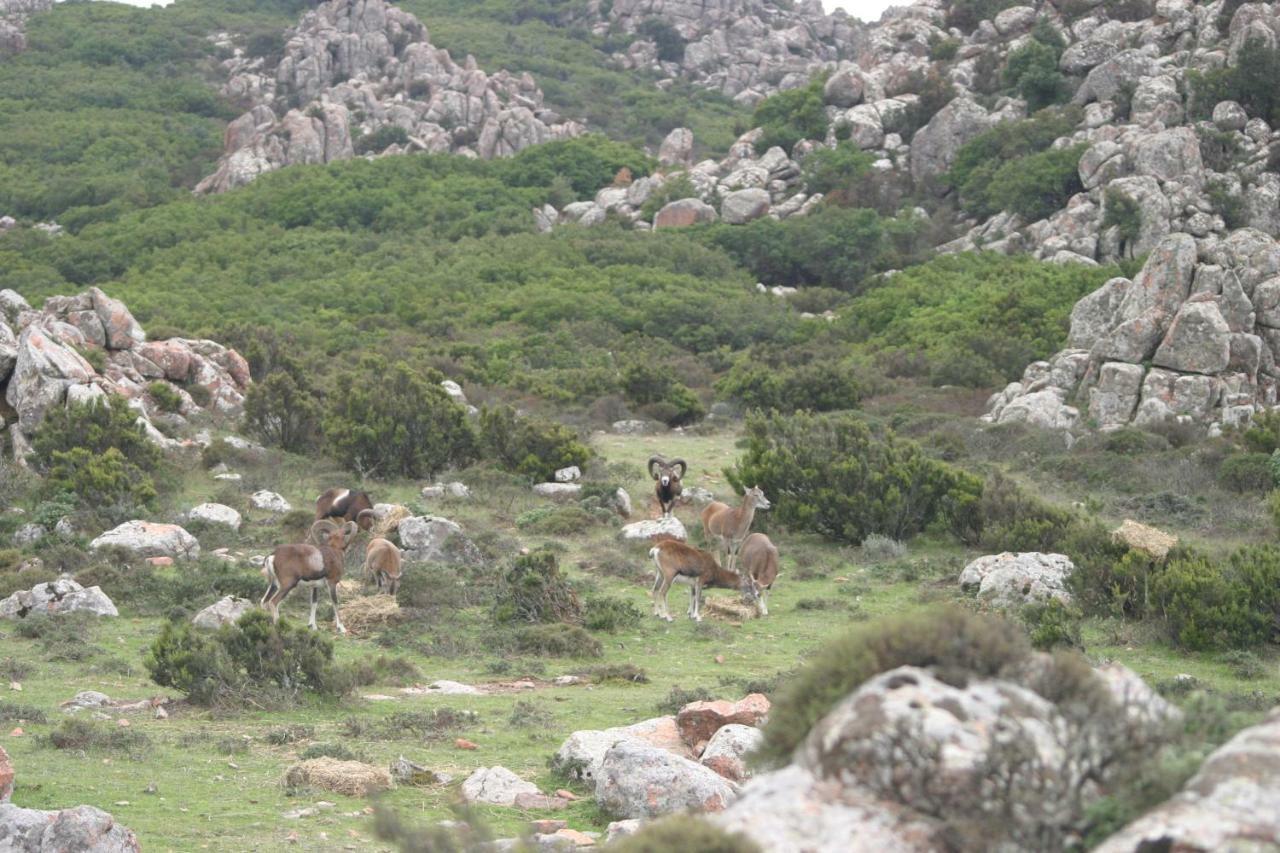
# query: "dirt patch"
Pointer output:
{"type": "Point", "coordinates": [352, 778]}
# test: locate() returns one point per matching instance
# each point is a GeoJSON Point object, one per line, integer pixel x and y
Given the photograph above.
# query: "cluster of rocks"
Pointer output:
{"type": "Point", "coordinates": [353, 68]}
{"type": "Point", "coordinates": [745, 49]}
{"type": "Point", "coordinates": [13, 17]}
{"type": "Point", "coordinates": [694, 760]}
{"type": "Point", "coordinates": [45, 362]}
{"type": "Point", "coordinates": [63, 595]}
{"type": "Point", "coordinates": [1191, 339]}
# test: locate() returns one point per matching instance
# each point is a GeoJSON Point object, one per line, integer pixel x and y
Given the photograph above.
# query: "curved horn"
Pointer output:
{"type": "Point", "coordinates": [349, 531]}
{"type": "Point", "coordinates": [655, 460]}
{"type": "Point", "coordinates": [366, 518]}
{"type": "Point", "coordinates": [320, 531]}
{"type": "Point", "coordinates": [684, 466]}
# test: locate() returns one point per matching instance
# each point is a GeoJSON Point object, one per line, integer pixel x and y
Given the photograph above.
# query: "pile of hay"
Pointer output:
{"type": "Point", "coordinates": [728, 609]}
{"type": "Point", "coordinates": [1155, 543]}
{"type": "Point", "coordinates": [352, 778]}
{"type": "Point", "coordinates": [368, 612]}
{"type": "Point", "coordinates": [390, 522]}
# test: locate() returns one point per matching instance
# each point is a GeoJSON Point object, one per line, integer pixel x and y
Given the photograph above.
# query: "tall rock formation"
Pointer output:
{"type": "Point", "coordinates": [363, 76]}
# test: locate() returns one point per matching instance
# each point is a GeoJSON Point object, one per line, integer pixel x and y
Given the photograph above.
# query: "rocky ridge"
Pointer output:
{"type": "Point", "coordinates": [48, 358]}
{"type": "Point", "coordinates": [354, 68]}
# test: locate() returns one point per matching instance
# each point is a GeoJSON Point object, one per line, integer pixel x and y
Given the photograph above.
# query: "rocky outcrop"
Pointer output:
{"type": "Point", "coordinates": [429, 539]}
{"type": "Point", "coordinates": [13, 19]}
{"type": "Point", "coordinates": [910, 762]}
{"type": "Point", "coordinates": [61, 596]}
{"type": "Point", "coordinates": [582, 753]}
{"type": "Point", "coordinates": [698, 722]}
{"type": "Point", "coordinates": [214, 513]}
{"type": "Point", "coordinates": [1233, 801]}
{"type": "Point", "coordinates": [1188, 340]}
{"type": "Point", "coordinates": [361, 76]}
{"type": "Point", "coordinates": [43, 363]}
{"type": "Point", "coordinates": [640, 781]}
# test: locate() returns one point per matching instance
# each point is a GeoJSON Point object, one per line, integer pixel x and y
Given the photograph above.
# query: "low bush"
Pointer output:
{"type": "Point", "coordinates": [842, 481]}
{"type": "Point", "coordinates": [532, 447]}
{"type": "Point", "coordinates": [790, 116]}
{"type": "Point", "coordinates": [880, 548]}
{"type": "Point", "coordinates": [328, 750]}
{"type": "Point", "coordinates": [674, 188]}
{"type": "Point", "coordinates": [87, 735]}
{"type": "Point", "coordinates": [532, 589]}
{"type": "Point", "coordinates": [1052, 624]}
{"type": "Point", "coordinates": [678, 697]}
{"type": "Point", "coordinates": [165, 396]}
{"type": "Point", "coordinates": [17, 712]}
{"type": "Point", "coordinates": [527, 715]}
{"type": "Point", "coordinates": [251, 657]}
{"type": "Point", "coordinates": [1246, 472]}
{"type": "Point", "coordinates": [281, 735]}
{"type": "Point", "coordinates": [432, 724]}
{"type": "Point", "coordinates": [556, 521]}
{"type": "Point", "coordinates": [1263, 434]}
{"type": "Point", "coordinates": [1032, 69]}
{"type": "Point", "coordinates": [685, 832]}
{"type": "Point", "coordinates": [606, 672]}
{"type": "Point", "coordinates": [146, 590]}
{"type": "Point", "coordinates": [1038, 185]}
{"type": "Point", "coordinates": [606, 613]}
{"type": "Point", "coordinates": [1014, 520]}
{"type": "Point", "coordinates": [557, 639]}
{"type": "Point", "coordinates": [838, 169]}
{"type": "Point", "coordinates": [771, 380]}
{"type": "Point", "coordinates": [1215, 605]}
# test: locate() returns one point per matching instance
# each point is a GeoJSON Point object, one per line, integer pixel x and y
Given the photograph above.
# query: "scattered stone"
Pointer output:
{"type": "Point", "coordinates": [621, 829]}
{"type": "Point", "coordinates": [652, 530]}
{"type": "Point", "coordinates": [559, 492]}
{"type": "Point", "coordinates": [496, 786]}
{"type": "Point", "coordinates": [572, 474]}
{"type": "Point", "coordinates": [211, 513]}
{"type": "Point", "coordinates": [582, 753]}
{"type": "Point", "coordinates": [270, 501]}
{"type": "Point", "coordinates": [29, 534]}
{"type": "Point", "coordinates": [439, 491]}
{"type": "Point", "coordinates": [446, 688]}
{"type": "Point", "coordinates": [83, 829]}
{"type": "Point", "coordinates": [698, 721]}
{"type": "Point", "coordinates": [430, 539]}
{"type": "Point", "coordinates": [727, 750]}
{"type": "Point", "coordinates": [638, 781]}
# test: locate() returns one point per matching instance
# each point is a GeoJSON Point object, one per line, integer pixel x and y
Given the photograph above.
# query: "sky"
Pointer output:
{"type": "Point", "coordinates": [867, 10]}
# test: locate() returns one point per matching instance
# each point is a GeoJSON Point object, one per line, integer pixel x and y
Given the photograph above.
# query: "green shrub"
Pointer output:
{"type": "Point", "coordinates": [282, 411]}
{"type": "Point", "coordinates": [829, 170]}
{"type": "Point", "coordinates": [327, 750]}
{"type": "Point", "coordinates": [606, 613]}
{"type": "Point", "coordinates": [532, 589]}
{"type": "Point", "coordinates": [789, 383]}
{"type": "Point", "coordinates": [647, 384]}
{"type": "Point", "coordinates": [674, 188]}
{"type": "Point", "coordinates": [1263, 434]}
{"type": "Point", "coordinates": [1052, 624]}
{"type": "Point", "coordinates": [165, 396]}
{"type": "Point", "coordinates": [1231, 206]}
{"type": "Point", "coordinates": [1032, 69]}
{"type": "Point", "coordinates": [678, 697]}
{"type": "Point", "coordinates": [1246, 472]}
{"type": "Point", "coordinates": [556, 521]}
{"type": "Point", "coordinates": [250, 657]}
{"type": "Point", "coordinates": [685, 832]}
{"type": "Point", "coordinates": [790, 116]}
{"type": "Point", "coordinates": [1038, 185]}
{"type": "Point", "coordinates": [529, 446]}
{"type": "Point", "coordinates": [1014, 520]}
{"type": "Point", "coordinates": [669, 42]}
{"type": "Point", "coordinates": [557, 640]}
{"type": "Point", "coordinates": [943, 49]}
{"type": "Point", "coordinates": [934, 92]}
{"type": "Point", "coordinates": [1250, 80]}
{"type": "Point", "coordinates": [588, 162]}
{"type": "Point", "coordinates": [381, 139]}
{"type": "Point", "coordinates": [829, 474]}
{"type": "Point", "coordinates": [967, 14]}
{"type": "Point", "coordinates": [92, 736]}
{"type": "Point", "coordinates": [1273, 507]}
{"type": "Point", "coordinates": [928, 319]}
{"type": "Point", "coordinates": [1233, 604]}
{"type": "Point", "coordinates": [98, 452]}
{"type": "Point", "coordinates": [980, 158]}
{"type": "Point", "coordinates": [390, 420]}
{"type": "Point", "coordinates": [147, 590]}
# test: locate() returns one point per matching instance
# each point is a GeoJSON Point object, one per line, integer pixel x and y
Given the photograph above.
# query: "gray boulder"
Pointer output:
{"type": "Point", "coordinates": [1009, 581]}
{"type": "Point", "coordinates": [1113, 400]}
{"type": "Point", "coordinates": [641, 781]}
{"type": "Point", "coordinates": [1172, 154]}
{"type": "Point", "coordinates": [727, 751]}
{"type": "Point", "coordinates": [739, 208]}
{"type": "Point", "coordinates": [582, 753]}
{"type": "Point", "coordinates": [61, 596]}
{"type": "Point", "coordinates": [1229, 115]}
{"type": "Point", "coordinates": [677, 148]}
{"type": "Point", "coordinates": [1150, 303]}
{"type": "Point", "coordinates": [269, 501]}
{"type": "Point", "coordinates": [29, 534]}
{"type": "Point", "coordinates": [430, 539]}
{"type": "Point", "coordinates": [496, 786]}
{"type": "Point", "coordinates": [225, 611]}
{"type": "Point", "coordinates": [1198, 341]}
{"type": "Point", "coordinates": [213, 513]}
{"type": "Point", "coordinates": [683, 213]}
{"type": "Point", "coordinates": [647, 530]}
{"type": "Point", "coordinates": [934, 147]}
{"type": "Point", "coordinates": [1111, 76]}
{"type": "Point", "coordinates": [559, 492]}
{"type": "Point", "coordinates": [844, 88]}
{"type": "Point", "coordinates": [150, 539]}
{"type": "Point", "coordinates": [1094, 316]}
{"type": "Point", "coordinates": [83, 829]}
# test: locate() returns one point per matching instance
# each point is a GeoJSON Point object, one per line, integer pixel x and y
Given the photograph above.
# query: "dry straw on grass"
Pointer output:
{"type": "Point", "coordinates": [352, 778]}
{"type": "Point", "coordinates": [1156, 544]}
{"type": "Point", "coordinates": [727, 609]}
{"type": "Point", "coordinates": [369, 612]}
{"type": "Point", "coordinates": [390, 522]}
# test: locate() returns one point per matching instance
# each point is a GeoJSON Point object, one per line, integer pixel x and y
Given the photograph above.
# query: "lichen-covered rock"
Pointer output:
{"type": "Point", "coordinates": [214, 513]}
{"type": "Point", "coordinates": [742, 206]}
{"type": "Point", "coordinates": [61, 596]}
{"type": "Point", "coordinates": [495, 786]}
{"type": "Point", "coordinates": [150, 539]}
{"type": "Point", "coordinates": [728, 748]}
{"type": "Point", "coordinates": [83, 829]}
{"type": "Point", "coordinates": [582, 753]}
{"type": "Point", "coordinates": [934, 148]}
{"type": "Point", "coordinates": [1232, 803]}
{"type": "Point", "coordinates": [269, 501]}
{"type": "Point", "coordinates": [654, 529]}
{"type": "Point", "coordinates": [1198, 341]}
{"type": "Point", "coordinates": [558, 491]}
{"type": "Point", "coordinates": [1009, 581]}
{"type": "Point", "coordinates": [639, 781]}
{"type": "Point", "coordinates": [684, 212]}
{"type": "Point", "coordinates": [225, 611]}
{"type": "Point", "coordinates": [430, 539]}
{"type": "Point", "coordinates": [699, 721]}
